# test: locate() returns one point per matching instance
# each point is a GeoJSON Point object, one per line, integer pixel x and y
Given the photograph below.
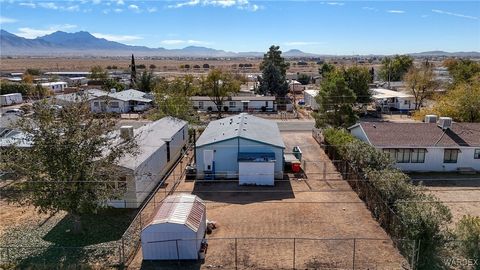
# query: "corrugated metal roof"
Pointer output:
{"type": "Point", "coordinates": [242, 125]}
{"type": "Point", "coordinates": [186, 209]}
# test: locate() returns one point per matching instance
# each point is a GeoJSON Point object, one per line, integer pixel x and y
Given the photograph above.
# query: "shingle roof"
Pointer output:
{"type": "Point", "coordinates": [150, 137]}
{"type": "Point", "coordinates": [183, 209]}
{"type": "Point", "coordinates": [242, 125]}
{"type": "Point", "coordinates": [386, 134]}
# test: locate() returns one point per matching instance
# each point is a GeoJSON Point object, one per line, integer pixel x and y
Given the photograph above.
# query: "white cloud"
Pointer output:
{"type": "Point", "coordinates": [28, 32]}
{"type": "Point", "coordinates": [30, 5]}
{"type": "Point", "coordinates": [240, 4]}
{"type": "Point", "coordinates": [395, 11]}
{"type": "Point", "coordinates": [454, 14]}
{"type": "Point", "coordinates": [185, 42]}
{"type": "Point", "coordinates": [118, 38]}
{"type": "Point", "coordinates": [335, 3]}
{"type": "Point", "coordinates": [152, 9]}
{"type": "Point", "coordinates": [48, 5]}
{"type": "Point", "coordinates": [96, 2]}
{"type": "Point", "coordinates": [134, 8]}
{"type": "Point", "coordinates": [120, 2]}
{"type": "Point", "coordinates": [72, 8]}
{"type": "Point", "coordinates": [7, 20]}
{"type": "Point", "coordinates": [302, 43]}
{"type": "Point", "coordinates": [118, 10]}
{"type": "Point", "coordinates": [370, 8]}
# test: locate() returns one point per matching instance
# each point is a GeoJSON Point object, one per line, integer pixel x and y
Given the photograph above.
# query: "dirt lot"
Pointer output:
{"type": "Point", "coordinates": [459, 192]}
{"type": "Point", "coordinates": [308, 208]}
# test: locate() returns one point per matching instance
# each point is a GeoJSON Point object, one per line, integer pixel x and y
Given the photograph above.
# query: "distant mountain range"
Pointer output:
{"type": "Point", "coordinates": [85, 44]}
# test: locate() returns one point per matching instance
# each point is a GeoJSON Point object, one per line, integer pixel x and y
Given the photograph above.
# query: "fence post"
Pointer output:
{"type": "Point", "coordinates": [123, 250]}
{"type": "Point", "coordinates": [236, 257]}
{"type": "Point", "coordinates": [354, 244]}
{"type": "Point", "coordinates": [294, 242]}
{"type": "Point", "coordinates": [324, 171]}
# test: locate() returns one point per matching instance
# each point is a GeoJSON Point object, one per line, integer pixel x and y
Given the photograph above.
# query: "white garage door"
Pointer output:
{"type": "Point", "coordinates": [256, 173]}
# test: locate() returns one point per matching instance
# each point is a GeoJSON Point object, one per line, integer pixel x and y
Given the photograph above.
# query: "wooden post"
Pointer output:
{"type": "Point", "coordinates": [294, 242]}
{"type": "Point", "coordinates": [236, 257]}
{"type": "Point", "coordinates": [354, 244]}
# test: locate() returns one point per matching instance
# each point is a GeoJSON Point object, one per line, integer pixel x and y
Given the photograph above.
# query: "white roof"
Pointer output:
{"type": "Point", "coordinates": [150, 138]}
{"type": "Point", "coordinates": [184, 209]}
{"type": "Point", "coordinates": [312, 92]}
{"type": "Point", "coordinates": [53, 83]}
{"type": "Point", "coordinates": [381, 93]}
{"type": "Point", "coordinates": [82, 95]}
{"type": "Point", "coordinates": [131, 94]}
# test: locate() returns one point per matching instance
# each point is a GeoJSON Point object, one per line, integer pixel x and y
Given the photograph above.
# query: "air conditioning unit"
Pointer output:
{"type": "Point", "coordinates": [445, 122]}
{"type": "Point", "coordinates": [126, 132]}
{"type": "Point", "coordinates": [430, 118]}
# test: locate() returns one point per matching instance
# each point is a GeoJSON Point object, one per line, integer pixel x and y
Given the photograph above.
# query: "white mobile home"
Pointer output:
{"type": "Point", "coordinates": [122, 102]}
{"type": "Point", "coordinates": [388, 100]}
{"type": "Point", "coordinates": [425, 147]}
{"type": "Point", "coordinates": [85, 95]}
{"type": "Point", "coordinates": [309, 98]}
{"type": "Point", "coordinates": [237, 104]}
{"type": "Point", "coordinates": [55, 86]}
{"type": "Point", "coordinates": [160, 144]}
{"type": "Point", "coordinates": [177, 229]}
{"type": "Point", "coordinates": [241, 147]}
{"type": "Point", "coordinates": [11, 99]}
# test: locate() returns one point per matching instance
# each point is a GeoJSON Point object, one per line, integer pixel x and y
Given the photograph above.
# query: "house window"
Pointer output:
{"type": "Point", "coordinates": [200, 104]}
{"type": "Point", "coordinates": [95, 104]}
{"type": "Point", "coordinates": [114, 105]}
{"type": "Point", "coordinates": [266, 103]}
{"type": "Point", "coordinates": [450, 156]}
{"type": "Point", "coordinates": [391, 152]}
{"type": "Point", "coordinates": [403, 155]}
{"type": "Point", "coordinates": [232, 104]}
{"type": "Point", "coordinates": [476, 155]}
{"type": "Point", "coordinates": [405, 102]}
{"type": "Point", "coordinates": [122, 183]}
{"type": "Point", "coordinates": [418, 155]}
{"type": "Point", "coordinates": [168, 151]}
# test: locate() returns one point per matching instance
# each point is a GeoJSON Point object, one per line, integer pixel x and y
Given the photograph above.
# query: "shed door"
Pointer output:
{"type": "Point", "coordinates": [256, 173]}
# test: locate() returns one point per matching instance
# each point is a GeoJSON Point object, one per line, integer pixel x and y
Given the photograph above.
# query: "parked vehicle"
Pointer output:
{"type": "Point", "coordinates": [16, 112]}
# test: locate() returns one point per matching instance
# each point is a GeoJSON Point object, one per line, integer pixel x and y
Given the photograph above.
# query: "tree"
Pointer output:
{"type": "Point", "coordinates": [71, 164]}
{"type": "Point", "coordinates": [461, 103]}
{"type": "Point", "coordinates": [394, 68]}
{"type": "Point", "coordinates": [325, 69]}
{"type": "Point", "coordinates": [8, 88]}
{"type": "Point", "coordinates": [421, 83]}
{"type": "Point", "coordinates": [303, 78]}
{"type": "Point", "coordinates": [274, 69]}
{"type": "Point", "coordinates": [39, 92]}
{"type": "Point", "coordinates": [357, 79]}
{"type": "Point", "coordinates": [111, 83]}
{"type": "Point", "coordinates": [173, 98]}
{"type": "Point", "coordinates": [146, 83]}
{"type": "Point", "coordinates": [468, 232]}
{"type": "Point", "coordinates": [152, 66]}
{"type": "Point", "coordinates": [335, 102]}
{"type": "Point", "coordinates": [33, 72]}
{"type": "Point", "coordinates": [218, 86]}
{"type": "Point", "coordinates": [133, 73]}
{"type": "Point", "coordinates": [462, 70]}
{"type": "Point", "coordinates": [98, 74]}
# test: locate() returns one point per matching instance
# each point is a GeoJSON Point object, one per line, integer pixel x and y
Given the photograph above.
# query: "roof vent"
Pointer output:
{"type": "Point", "coordinates": [445, 122]}
{"type": "Point", "coordinates": [126, 132]}
{"type": "Point", "coordinates": [430, 118]}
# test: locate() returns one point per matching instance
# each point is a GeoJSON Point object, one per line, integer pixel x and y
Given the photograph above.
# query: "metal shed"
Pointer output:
{"type": "Point", "coordinates": [177, 230]}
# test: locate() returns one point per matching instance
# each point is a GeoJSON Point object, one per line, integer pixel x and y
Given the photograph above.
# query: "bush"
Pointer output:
{"type": "Point", "coordinates": [392, 184]}
{"type": "Point", "coordinates": [225, 108]}
{"type": "Point", "coordinates": [206, 66]}
{"type": "Point", "coordinates": [264, 109]}
{"type": "Point", "coordinates": [209, 109]}
{"type": "Point", "coordinates": [467, 232]}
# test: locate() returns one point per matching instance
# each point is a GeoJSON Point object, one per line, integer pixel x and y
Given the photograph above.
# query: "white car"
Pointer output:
{"type": "Point", "coordinates": [16, 112]}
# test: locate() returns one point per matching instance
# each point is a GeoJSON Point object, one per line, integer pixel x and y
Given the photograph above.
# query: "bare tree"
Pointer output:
{"type": "Point", "coordinates": [421, 83]}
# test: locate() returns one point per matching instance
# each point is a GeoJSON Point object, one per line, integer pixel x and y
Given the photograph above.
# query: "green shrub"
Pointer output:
{"type": "Point", "coordinates": [363, 156]}
{"type": "Point", "coordinates": [392, 184]}
{"type": "Point", "coordinates": [467, 232]}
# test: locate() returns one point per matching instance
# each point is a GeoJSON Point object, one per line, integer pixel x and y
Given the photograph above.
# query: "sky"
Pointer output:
{"type": "Point", "coordinates": [341, 27]}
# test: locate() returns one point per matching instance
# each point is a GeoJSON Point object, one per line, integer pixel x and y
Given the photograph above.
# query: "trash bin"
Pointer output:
{"type": "Point", "coordinates": [296, 166]}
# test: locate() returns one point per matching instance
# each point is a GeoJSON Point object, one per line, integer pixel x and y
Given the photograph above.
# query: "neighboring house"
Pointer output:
{"type": "Point", "coordinates": [68, 74]}
{"type": "Point", "coordinates": [85, 95]}
{"type": "Point", "coordinates": [122, 102]}
{"type": "Point", "coordinates": [241, 147]}
{"type": "Point", "coordinates": [160, 144]}
{"type": "Point", "coordinates": [76, 81]}
{"type": "Point", "coordinates": [55, 86]}
{"type": "Point", "coordinates": [10, 99]}
{"type": "Point", "coordinates": [309, 98]}
{"type": "Point", "coordinates": [425, 147]}
{"type": "Point", "coordinates": [176, 230]}
{"type": "Point", "coordinates": [237, 103]}
{"type": "Point", "coordinates": [9, 135]}
{"type": "Point", "coordinates": [295, 86]}
{"type": "Point", "coordinates": [388, 100]}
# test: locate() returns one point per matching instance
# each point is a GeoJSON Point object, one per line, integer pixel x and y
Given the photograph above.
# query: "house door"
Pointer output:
{"type": "Point", "coordinates": [245, 106]}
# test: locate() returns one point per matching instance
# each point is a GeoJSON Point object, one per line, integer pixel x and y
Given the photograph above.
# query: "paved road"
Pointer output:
{"type": "Point", "coordinates": [295, 125]}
